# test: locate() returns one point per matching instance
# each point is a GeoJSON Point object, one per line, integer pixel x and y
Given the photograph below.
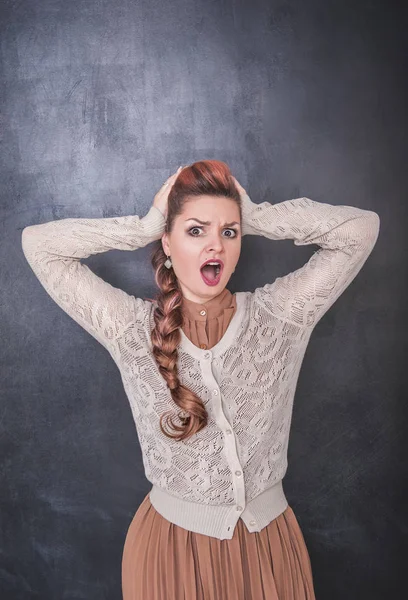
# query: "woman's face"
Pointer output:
{"type": "Point", "coordinates": [192, 242]}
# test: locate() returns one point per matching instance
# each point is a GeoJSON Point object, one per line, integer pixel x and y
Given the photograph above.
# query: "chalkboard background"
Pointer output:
{"type": "Point", "coordinates": [100, 102]}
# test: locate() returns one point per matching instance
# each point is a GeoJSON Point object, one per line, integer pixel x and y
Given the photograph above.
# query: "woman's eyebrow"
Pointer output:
{"type": "Point", "coordinates": [209, 222]}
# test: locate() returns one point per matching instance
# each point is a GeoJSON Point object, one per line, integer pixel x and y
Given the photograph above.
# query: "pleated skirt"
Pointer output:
{"type": "Point", "coordinates": [162, 561]}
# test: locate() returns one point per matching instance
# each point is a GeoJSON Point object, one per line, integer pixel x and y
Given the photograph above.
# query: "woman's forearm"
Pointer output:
{"type": "Point", "coordinates": [80, 238]}
{"type": "Point", "coordinates": [309, 222]}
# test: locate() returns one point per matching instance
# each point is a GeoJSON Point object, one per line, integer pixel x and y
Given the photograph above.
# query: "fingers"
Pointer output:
{"type": "Point", "coordinates": [236, 182]}
{"type": "Point", "coordinates": [241, 190]}
{"type": "Point", "coordinates": [173, 177]}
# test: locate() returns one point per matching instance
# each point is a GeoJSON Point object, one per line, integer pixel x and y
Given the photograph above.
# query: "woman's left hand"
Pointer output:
{"type": "Point", "coordinates": [242, 191]}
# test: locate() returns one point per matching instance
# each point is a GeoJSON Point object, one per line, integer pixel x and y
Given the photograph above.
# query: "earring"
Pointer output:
{"type": "Point", "coordinates": [168, 263]}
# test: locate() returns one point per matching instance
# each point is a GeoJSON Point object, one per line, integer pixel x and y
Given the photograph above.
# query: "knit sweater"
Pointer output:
{"type": "Point", "coordinates": [233, 468]}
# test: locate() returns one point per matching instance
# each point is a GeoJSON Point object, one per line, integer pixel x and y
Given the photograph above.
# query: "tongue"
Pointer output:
{"type": "Point", "coordinates": [209, 272]}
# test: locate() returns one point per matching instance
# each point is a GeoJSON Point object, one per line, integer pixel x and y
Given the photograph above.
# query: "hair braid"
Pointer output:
{"type": "Point", "coordinates": [166, 337]}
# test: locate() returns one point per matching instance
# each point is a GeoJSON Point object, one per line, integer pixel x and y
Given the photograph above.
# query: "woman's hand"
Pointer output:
{"type": "Point", "coordinates": [161, 198]}
{"type": "Point", "coordinates": [247, 208]}
{"type": "Point", "coordinates": [242, 191]}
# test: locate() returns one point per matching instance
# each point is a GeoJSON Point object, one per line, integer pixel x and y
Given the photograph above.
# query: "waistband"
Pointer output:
{"type": "Point", "coordinates": [219, 520]}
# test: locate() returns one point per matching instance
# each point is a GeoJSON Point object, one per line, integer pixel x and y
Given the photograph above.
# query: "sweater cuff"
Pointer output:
{"type": "Point", "coordinates": [247, 208]}
{"type": "Point", "coordinates": [154, 222]}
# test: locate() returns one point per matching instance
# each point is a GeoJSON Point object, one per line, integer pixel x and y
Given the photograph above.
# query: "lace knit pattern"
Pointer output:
{"type": "Point", "coordinates": [258, 367]}
{"type": "Point", "coordinates": [257, 379]}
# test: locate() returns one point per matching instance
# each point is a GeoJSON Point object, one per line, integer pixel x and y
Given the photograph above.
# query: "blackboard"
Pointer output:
{"type": "Point", "coordinates": [100, 103]}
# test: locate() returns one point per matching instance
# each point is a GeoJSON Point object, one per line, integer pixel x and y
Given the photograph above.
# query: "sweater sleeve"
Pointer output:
{"type": "Point", "coordinates": [346, 236]}
{"type": "Point", "coordinates": [54, 251]}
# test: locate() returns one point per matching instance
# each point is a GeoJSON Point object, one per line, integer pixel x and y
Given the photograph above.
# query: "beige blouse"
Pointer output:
{"type": "Point", "coordinates": [205, 324]}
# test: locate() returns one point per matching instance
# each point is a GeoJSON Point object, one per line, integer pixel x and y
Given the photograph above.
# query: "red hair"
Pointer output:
{"type": "Point", "coordinates": [206, 177]}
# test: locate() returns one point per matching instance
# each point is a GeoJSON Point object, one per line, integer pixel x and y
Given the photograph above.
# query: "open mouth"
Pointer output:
{"type": "Point", "coordinates": [211, 272]}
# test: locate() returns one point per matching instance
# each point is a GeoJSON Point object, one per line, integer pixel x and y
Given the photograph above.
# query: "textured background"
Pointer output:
{"type": "Point", "coordinates": [100, 102]}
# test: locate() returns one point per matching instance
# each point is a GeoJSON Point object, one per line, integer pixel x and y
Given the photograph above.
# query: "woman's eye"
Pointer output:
{"type": "Point", "coordinates": [234, 230]}
{"type": "Point", "coordinates": [193, 229]}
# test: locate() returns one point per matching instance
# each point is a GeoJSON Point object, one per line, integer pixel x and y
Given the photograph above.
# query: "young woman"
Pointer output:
{"type": "Point", "coordinates": [210, 375]}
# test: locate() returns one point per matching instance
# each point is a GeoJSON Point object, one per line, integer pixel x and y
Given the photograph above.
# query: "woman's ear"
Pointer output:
{"type": "Point", "coordinates": [165, 244]}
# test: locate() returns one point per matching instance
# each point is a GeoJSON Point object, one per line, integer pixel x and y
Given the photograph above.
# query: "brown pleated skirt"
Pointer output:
{"type": "Point", "coordinates": [162, 561]}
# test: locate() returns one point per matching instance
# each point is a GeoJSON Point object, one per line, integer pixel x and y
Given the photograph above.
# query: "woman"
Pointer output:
{"type": "Point", "coordinates": [210, 375]}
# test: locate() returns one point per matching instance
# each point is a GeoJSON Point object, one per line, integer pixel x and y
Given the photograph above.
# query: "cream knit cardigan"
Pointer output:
{"type": "Point", "coordinates": [234, 467]}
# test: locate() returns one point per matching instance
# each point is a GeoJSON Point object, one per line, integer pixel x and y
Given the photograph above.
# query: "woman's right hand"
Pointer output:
{"type": "Point", "coordinates": [161, 198]}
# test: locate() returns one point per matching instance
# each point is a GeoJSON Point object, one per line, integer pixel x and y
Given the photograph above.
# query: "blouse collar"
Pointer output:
{"type": "Point", "coordinates": [210, 309]}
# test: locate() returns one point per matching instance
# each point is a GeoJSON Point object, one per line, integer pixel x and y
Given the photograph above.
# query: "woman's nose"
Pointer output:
{"type": "Point", "coordinates": [216, 243]}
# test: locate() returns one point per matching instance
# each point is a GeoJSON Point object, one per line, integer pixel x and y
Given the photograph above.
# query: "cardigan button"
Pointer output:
{"type": "Point", "coordinates": [229, 431]}
{"type": "Point", "coordinates": [252, 523]}
{"type": "Point", "coordinates": [207, 355]}
{"type": "Point", "coordinates": [202, 312]}
{"type": "Point", "coordinates": [239, 507]}
{"type": "Point", "coordinates": [238, 473]}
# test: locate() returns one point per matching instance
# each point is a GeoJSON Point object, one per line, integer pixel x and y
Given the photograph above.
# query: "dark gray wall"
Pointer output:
{"type": "Point", "coordinates": [100, 102]}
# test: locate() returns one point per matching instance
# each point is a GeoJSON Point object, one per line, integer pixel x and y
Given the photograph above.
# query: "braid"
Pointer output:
{"type": "Point", "coordinates": [165, 338]}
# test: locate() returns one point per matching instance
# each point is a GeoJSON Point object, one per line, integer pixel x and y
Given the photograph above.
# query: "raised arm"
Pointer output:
{"type": "Point", "coordinates": [346, 236]}
{"type": "Point", "coordinates": [54, 251]}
